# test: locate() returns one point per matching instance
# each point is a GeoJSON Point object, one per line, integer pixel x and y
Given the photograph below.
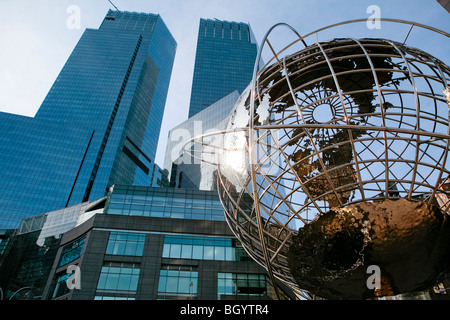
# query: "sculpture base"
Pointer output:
{"type": "Point", "coordinates": [409, 243]}
{"type": "Point", "coordinates": [422, 295]}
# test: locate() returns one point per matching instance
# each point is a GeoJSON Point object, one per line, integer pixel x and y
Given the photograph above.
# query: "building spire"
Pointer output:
{"type": "Point", "coordinates": [113, 5]}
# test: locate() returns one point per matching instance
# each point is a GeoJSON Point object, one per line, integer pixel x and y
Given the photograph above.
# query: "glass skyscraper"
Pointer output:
{"type": "Point", "coordinates": [99, 124]}
{"type": "Point", "coordinates": [186, 171]}
{"type": "Point", "coordinates": [226, 53]}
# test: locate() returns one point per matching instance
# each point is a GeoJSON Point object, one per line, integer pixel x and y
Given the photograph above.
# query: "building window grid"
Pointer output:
{"type": "Point", "coordinates": [241, 284]}
{"type": "Point", "coordinates": [203, 248]}
{"type": "Point", "coordinates": [71, 251]}
{"type": "Point", "coordinates": [178, 281]}
{"type": "Point", "coordinates": [118, 277]}
{"type": "Point", "coordinates": [110, 297]}
{"type": "Point", "coordinates": [126, 243]}
{"type": "Point", "coordinates": [165, 205]}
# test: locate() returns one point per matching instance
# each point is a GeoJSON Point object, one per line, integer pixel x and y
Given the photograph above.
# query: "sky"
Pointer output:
{"type": "Point", "coordinates": [37, 37]}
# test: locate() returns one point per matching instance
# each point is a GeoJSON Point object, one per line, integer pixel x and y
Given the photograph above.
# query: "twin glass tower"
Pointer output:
{"type": "Point", "coordinates": [99, 124]}
{"type": "Point", "coordinates": [226, 53]}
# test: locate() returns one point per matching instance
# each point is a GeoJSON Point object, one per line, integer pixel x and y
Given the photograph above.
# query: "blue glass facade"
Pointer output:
{"type": "Point", "coordinates": [226, 53]}
{"type": "Point", "coordinates": [39, 163]}
{"type": "Point", "coordinates": [235, 285]}
{"type": "Point", "coordinates": [165, 203]}
{"type": "Point", "coordinates": [203, 248]}
{"type": "Point", "coordinates": [177, 283]}
{"type": "Point", "coordinates": [126, 244]}
{"type": "Point", "coordinates": [99, 124]}
{"type": "Point", "coordinates": [186, 171]}
{"type": "Point", "coordinates": [71, 252]}
{"type": "Point", "coordinates": [118, 277]}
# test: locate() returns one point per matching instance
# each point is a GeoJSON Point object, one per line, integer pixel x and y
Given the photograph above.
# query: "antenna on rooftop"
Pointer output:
{"type": "Point", "coordinates": [113, 5]}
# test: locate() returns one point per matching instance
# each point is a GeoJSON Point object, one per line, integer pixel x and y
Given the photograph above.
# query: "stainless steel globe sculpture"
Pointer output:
{"type": "Point", "coordinates": [336, 158]}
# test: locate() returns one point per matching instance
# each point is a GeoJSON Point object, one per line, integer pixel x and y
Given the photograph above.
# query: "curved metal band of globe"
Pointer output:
{"type": "Point", "coordinates": [199, 140]}
{"type": "Point", "coordinates": [268, 266]}
{"type": "Point", "coordinates": [414, 140]}
{"type": "Point", "coordinates": [254, 249]}
{"type": "Point", "coordinates": [363, 20]}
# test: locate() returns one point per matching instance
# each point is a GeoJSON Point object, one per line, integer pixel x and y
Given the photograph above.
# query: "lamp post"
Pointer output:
{"type": "Point", "coordinates": [191, 290]}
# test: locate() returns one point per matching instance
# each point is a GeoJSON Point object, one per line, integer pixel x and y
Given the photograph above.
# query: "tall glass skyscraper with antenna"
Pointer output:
{"type": "Point", "coordinates": [98, 125]}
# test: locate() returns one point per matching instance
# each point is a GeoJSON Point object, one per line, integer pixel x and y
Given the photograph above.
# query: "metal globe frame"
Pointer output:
{"type": "Point", "coordinates": [388, 138]}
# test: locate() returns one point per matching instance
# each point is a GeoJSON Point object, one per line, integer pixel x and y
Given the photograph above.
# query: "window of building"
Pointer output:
{"type": "Point", "coordinates": [203, 248]}
{"type": "Point", "coordinates": [3, 243]}
{"type": "Point", "coordinates": [72, 251]}
{"type": "Point", "coordinates": [126, 244]}
{"type": "Point", "coordinates": [120, 277]}
{"type": "Point", "coordinates": [61, 287]}
{"type": "Point", "coordinates": [241, 284]}
{"type": "Point", "coordinates": [177, 282]}
{"type": "Point", "coordinates": [113, 298]}
{"type": "Point", "coordinates": [171, 203]}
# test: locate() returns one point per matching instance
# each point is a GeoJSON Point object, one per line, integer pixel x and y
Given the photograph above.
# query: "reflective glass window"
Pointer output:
{"type": "Point", "coordinates": [71, 251]}
{"type": "Point", "coordinates": [61, 286]}
{"type": "Point", "coordinates": [126, 243]}
{"type": "Point", "coordinates": [178, 281]}
{"type": "Point", "coordinates": [241, 284]}
{"type": "Point", "coordinates": [203, 248]}
{"type": "Point", "coordinates": [119, 277]}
